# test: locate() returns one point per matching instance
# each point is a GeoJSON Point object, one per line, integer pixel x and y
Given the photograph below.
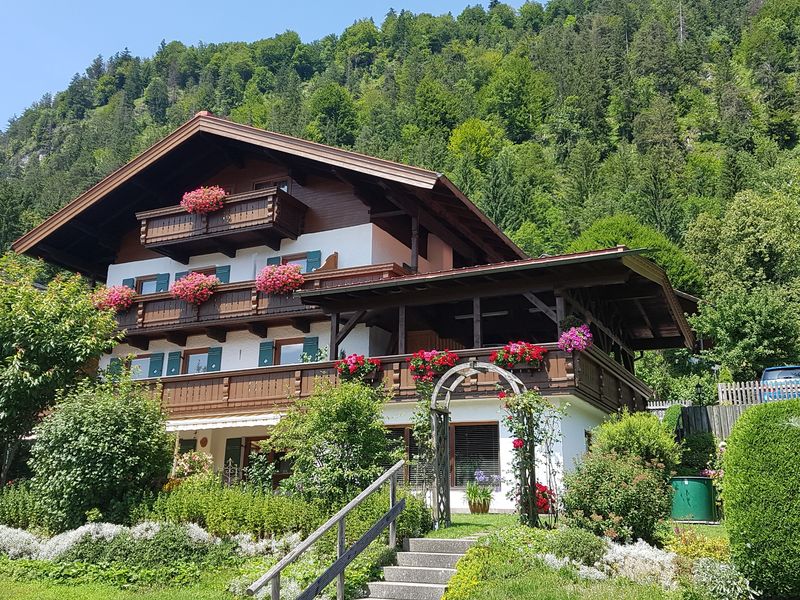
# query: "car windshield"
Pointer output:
{"type": "Point", "coordinates": [787, 373]}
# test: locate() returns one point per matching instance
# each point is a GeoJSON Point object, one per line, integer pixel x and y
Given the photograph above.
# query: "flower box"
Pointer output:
{"type": "Point", "coordinates": [357, 367]}
{"type": "Point", "coordinates": [425, 365]}
{"type": "Point", "coordinates": [117, 297]}
{"type": "Point", "coordinates": [279, 280]}
{"type": "Point", "coordinates": [518, 355]}
{"type": "Point", "coordinates": [203, 200]}
{"type": "Point", "coordinates": [195, 288]}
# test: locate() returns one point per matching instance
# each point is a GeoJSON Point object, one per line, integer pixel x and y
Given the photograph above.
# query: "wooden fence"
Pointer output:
{"type": "Point", "coordinates": [718, 419]}
{"type": "Point", "coordinates": [755, 392]}
{"type": "Point", "coordinates": [659, 407]}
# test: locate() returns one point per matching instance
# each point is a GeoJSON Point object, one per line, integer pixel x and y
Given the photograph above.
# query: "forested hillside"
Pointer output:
{"type": "Point", "coordinates": [668, 124]}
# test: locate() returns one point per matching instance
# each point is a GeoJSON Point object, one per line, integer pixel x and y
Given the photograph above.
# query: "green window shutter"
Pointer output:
{"type": "Point", "coordinates": [223, 273]}
{"type": "Point", "coordinates": [129, 282]}
{"type": "Point", "coordinates": [311, 346]}
{"type": "Point", "coordinates": [162, 282]}
{"type": "Point", "coordinates": [181, 275]}
{"type": "Point", "coordinates": [274, 260]}
{"type": "Point", "coordinates": [174, 363]}
{"type": "Point", "coordinates": [115, 367]}
{"type": "Point", "coordinates": [313, 260]}
{"type": "Point", "coordinates": [156, 365]}
{"type": "Point", "coordinates": [233, 451]}
{"type": "Point", "coordinates": [189, 445]}
{"type": "Point", "coordinates": [266, 353]}
{"type": "Point", "coordinates": [214, 359]}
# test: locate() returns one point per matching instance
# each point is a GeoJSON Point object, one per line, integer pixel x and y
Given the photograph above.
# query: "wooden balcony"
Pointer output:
{"type": "Point", "coordinates": [591, 376]}
{"type": "Point", "coordinates": [236, 306]}
{"type": "Point", "coordinates": [249, 219]}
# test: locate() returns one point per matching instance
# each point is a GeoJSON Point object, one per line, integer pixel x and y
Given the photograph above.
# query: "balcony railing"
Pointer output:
{"type": "Point", "coordinates": [239, 304]}
{"type": "Point", "coordinates": [589, 375]}
{"type": "Point", "coordinates": [260, 217]}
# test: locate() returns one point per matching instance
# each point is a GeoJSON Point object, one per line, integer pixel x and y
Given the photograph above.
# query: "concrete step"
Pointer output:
{"type": "Point", "coordinates": [428, 559]}
{"type": "Point", "coordinates": [437, 545]}
{"type": "Point", "coordinates": [418, 574]}
{"type": "Point", "coordinates": [395, 590]}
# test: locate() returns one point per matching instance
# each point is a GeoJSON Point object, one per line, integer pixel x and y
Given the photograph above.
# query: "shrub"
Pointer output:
{"type": "Point", "coordinates": [337, 439]}
{"type": "Point", "coordinates": [671, 418]}
{"type": "Point", "coordinates": [641, 563]}
{"type": "Point", "coordinates": [18, 506]}
{"type": "Point", "coordinates": [577, 544]}
{"type": "Point", "coordinates": [699, 450]}
{"type": "Point", "coordinates": [260, 472]}
{"type": "Point", "coordinates": [102, 447]}
{"type": "Point", "coordinates": [192, 463]}
{"type": "Point", "coordinates": [691, 544]}
{"type": "Point", "coordinates": [616, 496]}
{"type": "Point", "coordinates": [762, 497]}
{"type": "Point", "coordinates": [414, 521]}
{"type": "Point", "coordinates": [639, 435]}
{"type": "Point", "coordinates": [721, 580]}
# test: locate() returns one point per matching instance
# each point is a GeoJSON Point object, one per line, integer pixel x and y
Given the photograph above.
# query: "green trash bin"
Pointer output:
{"type": "Point", "coordinates": [694, 499]}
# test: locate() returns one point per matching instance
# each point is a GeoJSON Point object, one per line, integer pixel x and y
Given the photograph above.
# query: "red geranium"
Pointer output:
{"type": "Point", "coordinates": [116, 297]}
{"type": "Point", "coordinates": [515, 353]}
{"type": "Point", "coordinates": [357, 366]}
{"type": "Point", "coordinates": [427, 364]}
{"type": "Point", "coordinates": [203, 200]}
{"type": "Point", "coordinates": [279, 279]}
{"type": "Point", "coordinates": [194, 288]}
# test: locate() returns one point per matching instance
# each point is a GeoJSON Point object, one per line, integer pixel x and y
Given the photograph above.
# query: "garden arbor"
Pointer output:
{"type": "Point", "coordinates": [449, 382]}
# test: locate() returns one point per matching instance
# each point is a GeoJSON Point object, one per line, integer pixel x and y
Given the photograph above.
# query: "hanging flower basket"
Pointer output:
{"type": "Point", "coordinates": [279, 279]}
{"type": "Point", "coordinates": [518, 354]}
{"type": "Point", "coordinates": [575, 339]}
{"type": "Point", "coordinates": [194, 288]}
{"type": "Point", "coordinates": [425, 365]}
{"type": "Point", "coordinates": [117, 297]}
{"type": "Point", "coordinates": [357, 367]}
{"type": "Point", "coordinates": [203, 200]}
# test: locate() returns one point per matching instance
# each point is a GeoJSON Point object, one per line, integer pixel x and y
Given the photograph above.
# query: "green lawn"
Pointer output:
{"type": "Point", "coordinates": [711, 531]}
{"type": "Point", "coordinates": [468, 524]}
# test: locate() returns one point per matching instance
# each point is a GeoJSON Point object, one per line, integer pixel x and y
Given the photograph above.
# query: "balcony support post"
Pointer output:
{"type": "Point", "coordinates": [414, 244]}
{"type": "Point", "coordinates": [333, 352]}
{"type": "Point", "coordinates": [561, 313]}
{"type": "Point", "coordinates": [401, 329]}
{"type": "Point", "coordinates": [477, 325]}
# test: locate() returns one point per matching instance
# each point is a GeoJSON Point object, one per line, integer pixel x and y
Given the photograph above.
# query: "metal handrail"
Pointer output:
{"type": "Point", "coordinates": [344, 557]}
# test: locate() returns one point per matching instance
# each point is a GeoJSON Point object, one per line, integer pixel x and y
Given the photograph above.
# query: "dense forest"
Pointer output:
{"type": "Point", "coordinates": [666, 124]}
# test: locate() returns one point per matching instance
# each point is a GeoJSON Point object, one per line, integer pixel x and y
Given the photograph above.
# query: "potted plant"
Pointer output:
{"type": "Point", "coordinates": [194, 288]}
{"type": "Point", "coordinates": [358, 367]}
{"type": "Point", "coordinates": [479, 492]}
{"type": "Point", "coordinates": [575, 339]}
{"type": "Point", "coordinates": [279, 280]}
{"type": "Point", "coordinates": [117, 297]}
{"type": "Point", "coordinates": [514, 354]}
{"type": "Point", "coordinates": [425, 365]}
{"type": "Point", "coordinates": [203, 200]}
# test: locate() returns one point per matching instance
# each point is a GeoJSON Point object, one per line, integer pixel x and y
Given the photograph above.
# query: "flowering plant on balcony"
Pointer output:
{"type": "Point", "coordinates": [279, 279]}
{"type": "Point", "coordinates": [427, 364]}
{"type": "Point", "coordinates": [194, 288]}
{"type": "Point", "coordinates": [575, 339]}
{"type": "Point", "coordinates": [203, 200]}
{"type": "Point", "coordinates": [516, 353]}
{"type": "Point", "coordinates": [357, 367]}
{"type": "Point", "coordinates": [117, 297]}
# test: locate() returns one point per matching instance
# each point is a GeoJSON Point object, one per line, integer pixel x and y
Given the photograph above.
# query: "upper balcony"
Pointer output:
{"type": "Point", "coordinates": [237, 305]}
{"type": "Point", "coordinates": [590, 375]}
{"type": "Point", "coordinates": [264, 216]}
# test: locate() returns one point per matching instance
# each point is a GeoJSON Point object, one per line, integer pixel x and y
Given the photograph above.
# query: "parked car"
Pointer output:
{"type": "Point", "coordinates": [780, 383]}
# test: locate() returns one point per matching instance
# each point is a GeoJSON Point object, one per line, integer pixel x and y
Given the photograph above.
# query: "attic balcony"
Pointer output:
{"type": "Point", "coordinates": [590, 375]}
{"type": "Point", "coordinates": [264, 216]}
{"type": "Point", "coordinates": [237, 306]}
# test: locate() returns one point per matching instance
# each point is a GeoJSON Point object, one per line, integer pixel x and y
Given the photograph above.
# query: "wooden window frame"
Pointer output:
{"type": "Point", "coordinates": [276, 351]}
{"type": "Point", "coordinates": [205, 270]}
{"type": "Point", "coordinates": [452, 438]}
{"type": "Point", "coordinates": [185, 358]}
{"type": "Point", "coordinates": [273, 182]}
{"type": "Point", "coordinates": [138, 281]}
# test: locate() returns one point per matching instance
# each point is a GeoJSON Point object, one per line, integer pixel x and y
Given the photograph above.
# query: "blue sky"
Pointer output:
{"type": "Point", "coordinates": [43, 44]}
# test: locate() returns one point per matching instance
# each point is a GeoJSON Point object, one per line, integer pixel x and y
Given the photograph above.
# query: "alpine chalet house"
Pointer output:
{"type": "Point", "coordinates": [394, 259]}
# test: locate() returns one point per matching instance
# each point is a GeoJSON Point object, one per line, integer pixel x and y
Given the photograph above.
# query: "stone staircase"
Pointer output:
{"type": "Point", "coordinates": [422, 572]}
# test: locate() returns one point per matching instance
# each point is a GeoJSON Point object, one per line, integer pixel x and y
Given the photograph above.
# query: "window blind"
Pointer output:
{"type": "Point", "coordinates": [477, 447]}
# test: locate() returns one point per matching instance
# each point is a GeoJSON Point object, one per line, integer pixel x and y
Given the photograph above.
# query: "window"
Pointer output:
{"type": "Point", "coordinates": [289, 352]}
{"type": "Point", "coordinates": [185, 446]}
{"type": "Point", "coordinates": [296, 259]}
{"type": "Point", "coordinates": [205, 271]}
{"type": "Point", "coordinates": [475, 447]}
{"type": "Point", "coordinates": [140, 367]}
{"type": "Point", "coordinates": [281, 184]}
{"type": "Point", "coordinates": [195, 361]}
{"type": "Point", "coordinates": [146, 285]}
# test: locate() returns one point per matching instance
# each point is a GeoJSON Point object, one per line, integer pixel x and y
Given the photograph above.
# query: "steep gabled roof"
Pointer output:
{"type": "Point", "coordinates": [471, 224]}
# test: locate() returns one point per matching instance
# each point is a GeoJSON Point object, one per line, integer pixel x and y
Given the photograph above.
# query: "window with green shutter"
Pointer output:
{"type": "Point", "coordinates": [266, 353]}
{"type": "Point", "coordinates": [174, 363]}
{"type": "Point", "coordinates": [214, 359]}
{"type": "Point", "coordinates": [181, 275]}
{"type": "Point", "coordinates": [156, 365]}
{"type": "Point", "coordinates": [162, 282]}
{"type": "Point", "coordinates": [313, 260]}
{"type": "Point", "coordinates": [274, 260]}
{"type": "Point", "coordinates": [233, 451]}
{"type": "Point", "coordinates": [223, 273]}
{"type": "Point", "coordinates": [311, 347]}
{"type": "Point", "coordinates": [189, 445]}
{"type": "Point", "coordinates": [129, 282]}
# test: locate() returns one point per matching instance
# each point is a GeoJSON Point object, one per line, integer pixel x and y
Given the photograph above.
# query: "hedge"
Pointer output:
{"type": "Point", "coordinates": [762, 497]}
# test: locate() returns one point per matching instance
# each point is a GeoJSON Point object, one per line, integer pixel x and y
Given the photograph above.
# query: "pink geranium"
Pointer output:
{"type": "Point", "coordinates": [116, 297]}
{"type": "Point", "coordinates": [203, 200]}
{"type": "Point", "coordinates": [194, 288]}
{"type": "Point", "coordinates": [357, 366]}
{"type": "Point", "coordinates": [279, 279]}
{"type": "Point", "coordinates": [575, 339]}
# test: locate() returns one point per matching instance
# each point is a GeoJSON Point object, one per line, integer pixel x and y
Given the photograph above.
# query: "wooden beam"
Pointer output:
{"type": "Point", "coordinates": [646, 319]}
{"type": "Point", "coordinates": [301, 324]}
{"type": "Point", "coordinates": [477, 325]}
{"type": "Point", "coordinates": [217, 333]}
{"type": "Point", "coordinates": [348, 326]}
{"type": "Point", "coordinates": [386, 214]}
{"type": "Point", "coordinates": [259, 329]}
{"type": "Point", "coordinates": [561, 313]}
{"type": "Point", "coordinates": [138, 341]}
{"type": "Point", "coordinates": [401, 329]}
{"type": "Point", "coordinates": [176, 337]}
{"type": "Point", "coordinates": [593, 320]}
{"type": "Point", "coordinates": [58, 257]}
{"type": "Point", "coordinates": [534, 299]}
{"type": "Point", "coordinates": [223, 247]}
{"type": "Point", "coordinates": [414, 243]}
{"type": "Point", "coordinates": [333, 352]}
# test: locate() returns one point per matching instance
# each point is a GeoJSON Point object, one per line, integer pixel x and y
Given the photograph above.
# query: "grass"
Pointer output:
{"type": "Point", "coordinates": [469, 524]}
{"type": "Point", "coordinates": [711, 531]}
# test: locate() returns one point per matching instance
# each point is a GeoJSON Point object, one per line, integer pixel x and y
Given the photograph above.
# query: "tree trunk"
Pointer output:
{"type": "Point", "coordinates": [9, 452]}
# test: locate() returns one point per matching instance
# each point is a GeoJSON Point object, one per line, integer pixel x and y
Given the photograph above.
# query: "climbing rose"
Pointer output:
{"type": "Point", "coordinates": [518, 443]}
